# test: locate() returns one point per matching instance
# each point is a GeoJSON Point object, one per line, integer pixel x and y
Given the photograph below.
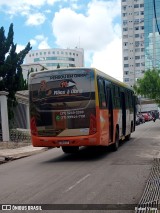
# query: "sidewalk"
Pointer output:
{"type": "Point", "coordinates": [17, 153]}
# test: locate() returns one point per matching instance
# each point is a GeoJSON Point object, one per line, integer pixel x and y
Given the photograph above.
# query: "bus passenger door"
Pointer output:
{"type": "Point", "coordinates": [123, 106]}
{"type": "Point", "coordinates": [109, 105]}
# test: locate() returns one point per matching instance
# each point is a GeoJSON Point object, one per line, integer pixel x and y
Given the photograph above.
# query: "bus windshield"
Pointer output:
{"type": "Point", "coordinates": [62, 101]}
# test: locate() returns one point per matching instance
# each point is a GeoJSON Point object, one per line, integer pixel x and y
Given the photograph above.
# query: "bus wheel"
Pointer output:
{"type": "Point", "coordinates": [70, 149]}
{"type": "Point", "coordinates": [127, 138]}
{"type": "Point", "coordinates": [116, 144]}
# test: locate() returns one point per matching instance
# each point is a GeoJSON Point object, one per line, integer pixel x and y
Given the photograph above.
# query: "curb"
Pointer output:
{"type": "Point", "coordinates": [7, 158]}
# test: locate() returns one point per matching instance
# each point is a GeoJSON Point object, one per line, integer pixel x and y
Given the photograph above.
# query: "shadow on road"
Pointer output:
{"type": "Point", "coordinates": [86, 154]}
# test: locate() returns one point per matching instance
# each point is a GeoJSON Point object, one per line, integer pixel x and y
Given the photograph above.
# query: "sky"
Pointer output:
{"type": "Point", "coordinates": [94, 25]}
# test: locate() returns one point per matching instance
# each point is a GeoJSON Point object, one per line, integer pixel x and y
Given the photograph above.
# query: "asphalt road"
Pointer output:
{"type": "Point", "coordinates": [89, 177]}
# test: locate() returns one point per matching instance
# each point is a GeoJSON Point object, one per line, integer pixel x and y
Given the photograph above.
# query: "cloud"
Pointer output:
{"type": "Point", "coordinates": [19, 48]}
{"type": "Point", "coordinates": [91, 31]}
{"type": "Point", "coordinates": [39, 37]}
{"type": "Point", "coordinates": [33, 42]}
{"type": "Point", "coordinates": [40, 41]}
{"type": "Point", "coordinates": [97, 31]}
{"type": "Point", "coordinates": [44, 44]}
{"type": "Point", "coordinates": [35, 19]}
{"type": "Point", "coordinates": [24, 7]}
{"type": "Point", "coordinates": [109, 60]}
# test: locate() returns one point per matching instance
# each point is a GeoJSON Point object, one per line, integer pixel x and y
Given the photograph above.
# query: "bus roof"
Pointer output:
{"type": "Point", "coordinates": [97, 72]}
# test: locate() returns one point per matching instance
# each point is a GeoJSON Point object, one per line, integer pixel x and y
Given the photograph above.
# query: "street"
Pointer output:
{"type": "Point", "coordinates": [89, 177]}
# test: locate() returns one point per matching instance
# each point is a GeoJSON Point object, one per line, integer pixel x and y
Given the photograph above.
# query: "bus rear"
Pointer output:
{"type": "Point", "coordinates": [63, 108]}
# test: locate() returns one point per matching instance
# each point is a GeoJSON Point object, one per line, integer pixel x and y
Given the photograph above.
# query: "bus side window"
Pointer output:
{"type": "Point", "coordinates": [108, 93]}
{"type": "Point", "coordinates": [102, 101]}
{"type": "Point", "coordinates": [117, 98]}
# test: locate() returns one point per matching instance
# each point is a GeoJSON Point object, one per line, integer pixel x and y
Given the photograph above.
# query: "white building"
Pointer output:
{"type": "Point", "coordinates": [51, 58]}
{"type": "Point", "coordinates": [133, 40]}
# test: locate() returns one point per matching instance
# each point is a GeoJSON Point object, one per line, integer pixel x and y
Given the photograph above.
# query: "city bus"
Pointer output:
{"type": "Point", "coordinates": [77, 107]}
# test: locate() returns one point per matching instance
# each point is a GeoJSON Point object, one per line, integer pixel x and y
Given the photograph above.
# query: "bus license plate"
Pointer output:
{"type": "Point", "coordinates": [63, 142]}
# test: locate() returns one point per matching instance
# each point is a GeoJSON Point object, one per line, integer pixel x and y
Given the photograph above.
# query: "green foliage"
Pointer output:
{"type": "Point", "coordinates": [11, 77]}
{"type": "Point", "coordinates": [149, 85]}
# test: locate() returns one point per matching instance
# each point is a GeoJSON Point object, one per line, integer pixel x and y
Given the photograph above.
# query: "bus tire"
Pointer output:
{"type": "Point", "coordinates": [70, 149]}
{"type": "Point", "coordinates": [127, 138]}
{"type": "Point", "coordinates": [115, 146]}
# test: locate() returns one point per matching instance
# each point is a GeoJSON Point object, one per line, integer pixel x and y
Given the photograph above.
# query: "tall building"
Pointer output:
{"type": "Point", "coordinates": [53, 58]}
{"type": "Point", "coordinates": [140, 37]}
{"type": "Point", "coordinates": [133, 40]}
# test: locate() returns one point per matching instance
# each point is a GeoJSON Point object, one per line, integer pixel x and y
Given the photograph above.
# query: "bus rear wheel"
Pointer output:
{"type": "Point", "coordinates": [70, 149]}
{"type": "Point", "coordinates": [115, 146]}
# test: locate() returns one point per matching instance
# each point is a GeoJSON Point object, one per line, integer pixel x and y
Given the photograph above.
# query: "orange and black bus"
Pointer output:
{"type": "Point", "coordinates": [76, 107]}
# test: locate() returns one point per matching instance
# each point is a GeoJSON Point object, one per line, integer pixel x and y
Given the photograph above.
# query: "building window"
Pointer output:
{"type": "Point", "coordinates": [126, 80]}
{"type": "Point", "coordinates": [124, 14]}
{"type": "Point", "coordinates": [126, 72]}
{"type": "Point", "coordinates": [125, 29]}
{"type": "Point", "coordinates": [53, 52]}
{"type": "Point", "coordinates": [136, 13]}
{"type": "Point", "coordinates": [136, 6]}
{"type": "Point", "coordinates": [142, 27]}
{"type": "Point", "coordinates": [141, 5]}
{"type": "Point", "coordinates": [136, 21]}
{"type": "Point", "coordinates": [125, 58]}
{"type": "Point", "coordinates": [137, 64]}
{"type": "Point", "coordinates": [137, 57]}
{"type": "Point", "coordinates": [142, 49]}
{"type": "Point", "coordinates": [125, 43]}
{"type": "Point", "coordinates": [137, 44]}
{"type": "Point", "coordinates": [40, 53]}
{"type": "Point", "coordinates": [136, 35]}
{"type": "Point", "coordinates": [125, 36]}
{"type": "Point", "coordinates": [44, 53]}
{"type": "Point", "coordinates": [136, 28]}
{"type": "Point", "coordinates": [125, 50]}
{"type": "Point", "coordinates": [141, 20]}
{"type": "Point", "coordinates": [125, 22]}
{"type": "Point", "coordinates": [141, 12]}
{"type": "Point", "coordinates": [48, 53]}
{"type": "Point", "coordinates": [126, 65]}
{"type": "Point", "coordinates": [137, 50]}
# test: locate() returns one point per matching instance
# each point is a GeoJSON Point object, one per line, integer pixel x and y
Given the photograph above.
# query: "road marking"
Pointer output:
{"type": "Point", "coordinates": [79, 181]}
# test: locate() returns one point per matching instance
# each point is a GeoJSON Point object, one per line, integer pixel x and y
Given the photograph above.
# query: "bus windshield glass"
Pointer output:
{"type": "Point", "coordinates": [62, 102]}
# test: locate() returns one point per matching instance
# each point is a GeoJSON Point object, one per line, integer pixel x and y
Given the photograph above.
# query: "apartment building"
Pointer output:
{"type": "Point", "coordinates": [140, 37]}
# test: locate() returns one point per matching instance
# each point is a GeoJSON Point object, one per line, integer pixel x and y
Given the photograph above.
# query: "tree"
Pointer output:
{"type": "Point", "coordinates": [149, 85]}
{"type": "Point", "coordinates": [11, 77]}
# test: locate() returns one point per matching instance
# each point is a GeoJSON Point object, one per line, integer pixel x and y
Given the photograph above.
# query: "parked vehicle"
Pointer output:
{"type": "Point", "coordinates": [137, 120]}
{"type": "Point", "coordinates": [142, 119]}
{"type": "Point", "coordinates": [146, 117]}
